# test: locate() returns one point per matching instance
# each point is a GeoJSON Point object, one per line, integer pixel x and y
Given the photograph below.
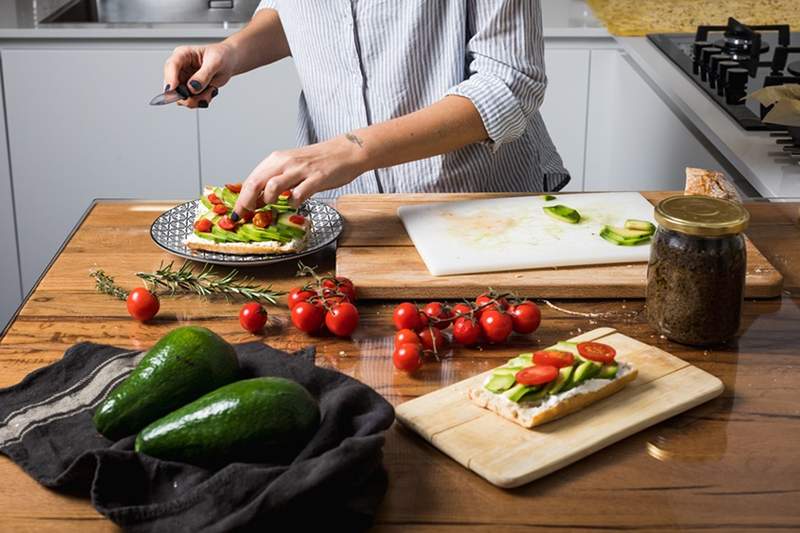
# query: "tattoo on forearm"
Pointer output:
{"type": "Point", "coordinates": [354, 139]}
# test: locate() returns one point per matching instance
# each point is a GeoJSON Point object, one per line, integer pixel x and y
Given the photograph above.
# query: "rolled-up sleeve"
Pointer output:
{"type": "Point", "coordinates": [505, 65]}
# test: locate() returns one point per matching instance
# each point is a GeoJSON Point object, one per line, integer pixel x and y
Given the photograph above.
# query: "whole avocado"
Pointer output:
{"type": "Point", "coordinates": [265, 419]}
{"type": "Point", "coordinates": [184, 364]}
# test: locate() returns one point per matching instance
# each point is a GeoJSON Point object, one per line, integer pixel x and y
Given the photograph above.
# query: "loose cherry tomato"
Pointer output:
{"type": "Point", "coordinates": [487, 297]}
{"type": "Point", "coordinates": [252, 317]}
{"type": "Point", "coordinates": [342, 319]}
{"type": "Point", "coordinates": [297, 219]}
{"type": "Point", "coordinates": [466, 331]}
{"type": "Point", "coordinates": [462, 309]}
{"type": "Point", "coordinates": [406, 336]}
{"type": "Point", "coordinates": [226, 224]}
{"type": "Point", "coordinates": [220, 209]}
{"type": "Point", "coordinates": [496, 325]}
{"type": "Point", "coordinates": [297, 295]}
{"type": "Point", "coordinates": [234, 187]}
{"type": "Point", "coordinates": [262, 219]}
{"type": "Point", "coordinates": [597, 351]}
{"type": "Point", "coordinates": [407, 357]}
{"type": "Point", "coordinates": [432, 339]}
{"type": "Point", "coordinates": [247, 216]}
{"type": "Point", "coordinates": [536, 375]}
{"type": "Point", "coordinates": [406, 316]}
{"type": "Point", "coordinates": [142, 304]}
{"type": "Point", "coordinates": [342, 284]}
{"type": "Point", "coordinates": [525, 317]}
{"type": "Point", "coordinates": [285, 195]}
{"type": "Point", "coordinates": [308, 317]}
{"type": "Point", "coordinates": [556, 358]}
{"type": "Point", "coordinates": [213, 199]}
{"type": "Point", "coordinates": [440, 312]}
{"type": "Point", "coordinates": [203, 225]}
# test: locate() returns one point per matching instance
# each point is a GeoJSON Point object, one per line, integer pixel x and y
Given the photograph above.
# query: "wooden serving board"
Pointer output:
{"type": "Point", "coordinates": [376, 253]}
{"type": "Point", "coordinates": [508, 455]}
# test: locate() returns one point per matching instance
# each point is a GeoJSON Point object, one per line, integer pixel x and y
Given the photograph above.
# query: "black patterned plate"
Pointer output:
{"type": "Point", "coordinates": [171, 228]}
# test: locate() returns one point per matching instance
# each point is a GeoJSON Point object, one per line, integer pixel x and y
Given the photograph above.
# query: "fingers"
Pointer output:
{"type": "Point", "coordinates": [200, 80]}
{"type": "Point", "coordinates": [253, 186]}
{"type": "Point", "coordinates": [276, 185]}
{"type": "Point", "coordinates": [304, 190]}
{"type": "Point", "coordinates": [180, 59]}
{"type": "Point", "coordinates": [201, 100]}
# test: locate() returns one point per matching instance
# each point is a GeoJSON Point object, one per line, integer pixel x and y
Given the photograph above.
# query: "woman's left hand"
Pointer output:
{"type": "Point", "coordinates": [307, 170]}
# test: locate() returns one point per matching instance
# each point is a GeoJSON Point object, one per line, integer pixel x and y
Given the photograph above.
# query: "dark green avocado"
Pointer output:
{"type": "Point", "coordinates": [184, 364]}
{"type": "Point", "coordinates": [264, 419]}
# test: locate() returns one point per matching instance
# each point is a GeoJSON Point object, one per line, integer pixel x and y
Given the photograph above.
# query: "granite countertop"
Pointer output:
{"type": "Point", "coordinates": [20, 19]}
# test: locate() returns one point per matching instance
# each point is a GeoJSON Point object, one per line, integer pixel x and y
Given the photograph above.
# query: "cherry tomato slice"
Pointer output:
{"type": "Point", "coordinates": [220, 209]}
{"type": "Point", "coordinates": [556, 358]}
{"type": "Point", "coordinates": [297, 219]}
{"type": "Point", "coordinates": [537, 375]}
{"type": "Point", "coordinates": [234, 187]}
{"type": "Point", "coordinates": [262, 219]}
{"type": "Point", "coordinates": [247, 216]}
{"type": "Point", "coordinates": [203, 225]}
{"type": "Point", "coordinates": [597, 351]}
{"type": "Point", "coordinates": [285, 195]}
{"type": "Point", "coordinates": [213, 199]}
{"type": "Point", "coordinates": [226, 224]}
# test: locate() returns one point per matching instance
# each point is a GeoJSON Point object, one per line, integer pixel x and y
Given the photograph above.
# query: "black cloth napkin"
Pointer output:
{"type": "Point", "coordinates": [337, 480]}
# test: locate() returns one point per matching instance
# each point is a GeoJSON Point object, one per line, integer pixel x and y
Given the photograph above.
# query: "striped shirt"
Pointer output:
{"type": "Point", "coordinates": [362, 62]}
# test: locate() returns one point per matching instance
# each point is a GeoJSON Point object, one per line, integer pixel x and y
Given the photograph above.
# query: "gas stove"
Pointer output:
{"type": "Point", "coordinates": [728, 62]}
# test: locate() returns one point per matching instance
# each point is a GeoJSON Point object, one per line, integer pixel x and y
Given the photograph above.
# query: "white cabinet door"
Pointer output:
{"type": "Point", "coordinates": [634, 141]}
{"type": "Point", "coordinates": [9, 267]}
{"type": "Point", "coordinates": [564, 108]}
{"type": "Point", "coordinates": [253, 115]}
{"type": "Point", "coordinates": [80, 128]}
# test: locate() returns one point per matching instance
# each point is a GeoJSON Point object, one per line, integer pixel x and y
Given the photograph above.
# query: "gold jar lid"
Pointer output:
{"type": "Point", "coordinates": [702, 215]}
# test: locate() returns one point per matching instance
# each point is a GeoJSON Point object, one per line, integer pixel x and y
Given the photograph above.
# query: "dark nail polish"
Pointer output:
{"type": "Point", "coordinates": [203, 104]}
{"type": "Point", "coordinates": [214, 91]}
{"type": "Point", "coordinates": [196, 85]}
{"type": "Point", "coordinates": [234, 215]}
{"type": "Point", "coordinates": [166, 87]}
{"type": "Point", "coordinates": [183, 91]}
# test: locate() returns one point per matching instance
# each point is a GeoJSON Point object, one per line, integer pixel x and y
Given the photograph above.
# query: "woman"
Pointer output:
{"type": "Point", "coordinates": [398, 96]}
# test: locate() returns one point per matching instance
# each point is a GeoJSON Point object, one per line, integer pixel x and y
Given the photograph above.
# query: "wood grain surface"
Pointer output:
{"type": "Point", "coordinates": [376, 249]}
{"type": "Point", "coordinates": [731, 464]}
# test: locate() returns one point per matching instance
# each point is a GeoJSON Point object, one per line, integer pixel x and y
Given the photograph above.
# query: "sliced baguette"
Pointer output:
{"type": "Point", "coordinates": [534, 415]}
{"type": "Point", "coordinates": [710, 183]}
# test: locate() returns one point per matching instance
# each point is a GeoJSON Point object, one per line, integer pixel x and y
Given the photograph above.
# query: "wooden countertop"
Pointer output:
{"type": "Point", "coordinates": [733, 463]}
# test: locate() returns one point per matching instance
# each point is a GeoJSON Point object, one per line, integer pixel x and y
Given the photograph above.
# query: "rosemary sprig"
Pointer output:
{"type": "Point", "coordinates": [206, 283]}
{"type": "Point", "coordinates": [105, 284]}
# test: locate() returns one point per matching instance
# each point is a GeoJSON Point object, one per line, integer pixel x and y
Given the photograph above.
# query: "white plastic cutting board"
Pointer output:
{"type": "Point", "coordinates": [515, 233]}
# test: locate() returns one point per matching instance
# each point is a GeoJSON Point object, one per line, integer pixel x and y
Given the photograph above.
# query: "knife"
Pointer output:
{"type": "Point", "coordinates": [181, 92]}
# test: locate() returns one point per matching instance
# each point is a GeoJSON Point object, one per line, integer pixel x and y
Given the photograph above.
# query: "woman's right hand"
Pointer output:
{"type": "Point", "coordinates": [203, 69]}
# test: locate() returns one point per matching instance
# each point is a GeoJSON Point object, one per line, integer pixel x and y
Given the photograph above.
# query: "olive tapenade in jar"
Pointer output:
{"type": "Point", "coordinates": [696, 274]}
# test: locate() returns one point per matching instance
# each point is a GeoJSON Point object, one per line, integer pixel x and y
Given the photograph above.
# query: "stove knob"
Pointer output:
{"type": "Point", "coordinates": [722, 73]}
{"type": "Point", "coordinates": [736, 85]}
{"type": "Point", "coordinates": [713, 68]}
{"type": "Point", "coordinates": [697, 49]}
{"type": "Point", "coordinates": [705, 58]}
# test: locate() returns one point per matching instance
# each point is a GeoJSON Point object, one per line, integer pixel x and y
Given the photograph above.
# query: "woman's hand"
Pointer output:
{"type": "Point", "coordinates": [203, 69]}
{"type": "Point", "coordinates": [307, 170]}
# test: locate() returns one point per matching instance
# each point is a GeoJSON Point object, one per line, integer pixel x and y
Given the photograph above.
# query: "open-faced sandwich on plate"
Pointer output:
{"type": "Point", "coordinates": [272, 229]}
{"type": "Point", "coordinates": [534, 388]}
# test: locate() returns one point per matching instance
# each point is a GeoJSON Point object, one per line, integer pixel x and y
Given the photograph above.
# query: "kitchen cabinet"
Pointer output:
{"type": "Point", "coordinates": [80, 128]}
{"type": "Point", "coordinates": [10, 291]}
{"type": "Point", "coordinates": [634, 141]}
{"type": "Point", "coordinates": [254, 114]}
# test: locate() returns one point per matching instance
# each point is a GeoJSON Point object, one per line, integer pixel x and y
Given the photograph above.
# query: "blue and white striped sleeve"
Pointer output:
{"type": "Point", "coordinates": [266, 4]}
{"type": "Point", "coordinates": [505, 65]}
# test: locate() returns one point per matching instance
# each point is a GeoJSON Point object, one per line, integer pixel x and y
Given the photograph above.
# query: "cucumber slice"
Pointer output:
{"type": "Point", "coordinates": [608, 371]}
{"type": "Point", "coordinates": [562, 213]}
{"type": "Point", "coordinates": [500, 382]}
{"type": "Point", "coordinates": [610, 234]}
{"type": "Point", "coordinates": [640, 225]}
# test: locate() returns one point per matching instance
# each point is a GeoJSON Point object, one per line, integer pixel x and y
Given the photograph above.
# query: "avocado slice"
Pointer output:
{"type": "Point", "coordinates": [562, 213]}
{"type": "Point", "coordinates": [500, 382]}
{"type": "Point", "coordinates": [584, 372]}
{"type": "Point", "coordinates": [534, 396]}
{"type": "Point", "coordinates": [522, 360]}
{"type": "Point", "coordinates": [209, 236]}
{"type": "Point", "coordinates": [256, 234]}
{"type": "Point", "coordinates": [640, 225]}
{"type": "Point", "coordinates": [206, 202]}
{"type": "Point", "coordinates": [228, 198]}
{"type": "Point", "coordinates": [285, 225]}
{"type": "Point", "coordinates": [548, 197]}
{"type": "Point", "coordinates": [563, 377]}
{"type": "Point", "coordinates": [184, 364]}
{"type": "Point", "coordinates": [518, 391]}
{"type": "Point", "coordinates": [566, 346]}
{"type": "Point", "coordinates": [608, 371]}
{"type": "Point", "coordinates": [611, 235]}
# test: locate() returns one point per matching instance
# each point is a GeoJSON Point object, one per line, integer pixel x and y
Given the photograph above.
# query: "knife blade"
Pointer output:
{"type": "Point", "coordinates": [180, 92]}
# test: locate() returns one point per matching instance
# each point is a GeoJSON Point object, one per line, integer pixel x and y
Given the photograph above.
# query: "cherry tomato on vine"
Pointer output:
{"type": "Point", "coordinates": [462, 309]}
{"type": "Point", "coordinates": [525, 317]}
{"type": "Point", "coordinates": [406, 336]}
{"type": "Point", "coordinates": [297, 295]}
{"type": "Point", "coordinates": [485, 298]}
{"type": "Point", "coordinates": [436, 310]}
{"type": "Point", "coordinates": [466, 331]}
{"type": "Point", "coordinates": [496, 325]}
{"type": "Point", "coordinates": [432, 339]}
{"type": "Point", "coordinates": [343, 285]}
{"type": "Point", "coordinates": [597, 351]}
{"type": "Point", "coordinates": [142, 304]}
{"type": "Point", "coordinates": [307, 317]}
{"type": "Point", "coordinates": [407, 316]}
{"type": "Point", "coordinates": [536, 375]}
{"type": "Point", "coordinates": [556, 358]}
{"type": "Point", "coordinates": [252, 317]}
{"type": "Point", "coordinates": [407, 357]}
{"type": "Point", "coordinates": [342, 319]}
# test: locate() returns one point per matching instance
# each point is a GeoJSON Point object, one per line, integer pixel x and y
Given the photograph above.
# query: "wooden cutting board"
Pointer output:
{"type": "Point", "coordinates": [508, 455]}
{"type": "Point", "coordinates": [376, 253]}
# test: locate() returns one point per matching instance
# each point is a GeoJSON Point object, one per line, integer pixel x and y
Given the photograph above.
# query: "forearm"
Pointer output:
{"type": "Point", "coordinates": [261, 42]}
{"type": "Point", "coordinates": [447, 125]}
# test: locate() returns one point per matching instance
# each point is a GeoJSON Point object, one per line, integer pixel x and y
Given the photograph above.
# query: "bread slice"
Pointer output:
{"type": "Point", "coordinates": [710, 183]}
{"type": "Point", "coordinates": [555, 407]}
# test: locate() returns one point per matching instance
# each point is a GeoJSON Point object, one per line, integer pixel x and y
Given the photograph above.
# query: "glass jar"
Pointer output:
{"type": "Point", "coordinates": [696, 273]}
